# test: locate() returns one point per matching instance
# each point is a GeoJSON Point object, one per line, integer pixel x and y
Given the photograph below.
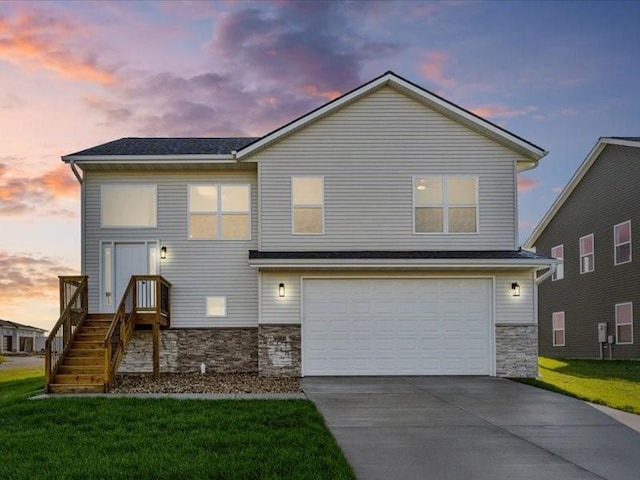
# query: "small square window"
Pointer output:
{"type": "Point", "coordinates": [216, 306]}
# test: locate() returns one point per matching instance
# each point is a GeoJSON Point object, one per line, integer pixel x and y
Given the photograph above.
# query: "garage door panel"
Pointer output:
{"type": "Point", "coordinates": [396, 326]}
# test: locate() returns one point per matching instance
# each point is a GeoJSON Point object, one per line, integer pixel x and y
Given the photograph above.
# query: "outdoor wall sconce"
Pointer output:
{"type": "Point", "coordinates": [515, 289]}
{"type": "Point", "coordinates": [281, 290]}
{"type": "Point", "coordinates": [163, 253]}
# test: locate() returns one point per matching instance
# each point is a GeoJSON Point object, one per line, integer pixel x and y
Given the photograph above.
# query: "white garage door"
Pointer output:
{"type": "Point", "coordinates": [396, 326]}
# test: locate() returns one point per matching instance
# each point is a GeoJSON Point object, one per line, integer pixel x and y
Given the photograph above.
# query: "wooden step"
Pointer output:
{"type": "Point", "coordinates": [81, 369]}
{"type": "Point", "coordinates": [81, 336]}
{"type": "Point", "coordinates": [102, 330]}
{"type": "Point", "coordinates": [89, 361]}
{"type": "Point", "coordinates": [96, 323]}
{"type": "Point", "coordinates": [75, 351]}
{"type": "Point", "coordinates": [78, 379]}
{"type": "Point", "coordinates": [77, 388]}
{"type": "Point", "coordinates": [100, 316]}
{"type": "Point", "coordinates": [88, 345]}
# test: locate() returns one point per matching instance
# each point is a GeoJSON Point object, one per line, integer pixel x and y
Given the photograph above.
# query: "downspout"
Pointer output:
{"type": "Point", "coordinates": [75, 171]}
{"type": "Point", "coordinates": [547, 274]}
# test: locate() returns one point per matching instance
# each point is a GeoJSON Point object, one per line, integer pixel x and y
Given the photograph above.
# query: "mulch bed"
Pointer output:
{"type": "Point", "coordinates": [207, 383]}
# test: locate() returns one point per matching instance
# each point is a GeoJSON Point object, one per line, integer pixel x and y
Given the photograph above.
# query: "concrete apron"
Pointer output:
{"type": "Point", "coordinates": [470, 428]}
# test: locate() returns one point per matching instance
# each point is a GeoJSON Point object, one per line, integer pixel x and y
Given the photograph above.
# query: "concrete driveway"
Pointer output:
{"type": "Point", "coordinates": [468, 428]}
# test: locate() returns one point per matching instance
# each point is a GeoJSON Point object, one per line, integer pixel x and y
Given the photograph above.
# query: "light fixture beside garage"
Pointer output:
{"type": "Point", "coordinates": [515, 289]}
{"type": "Point", "coordinates": [281, 290]}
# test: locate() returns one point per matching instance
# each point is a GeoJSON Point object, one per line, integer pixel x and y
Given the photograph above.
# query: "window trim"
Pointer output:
{"type": "Point", "coordinates": [616, 245]}
{"type": "Point", "coordinates": [445, 206]}
{"type": "Point", "coordinates": [555, 277]}
{"type": "Point", "coordinates": [293, 206]}
{"type": "Point", "coordinates": [618, 342]}
{"type": "Point", "coordinates": [218, 212]}
{"type": "Point", "coordinates": [137, 185]}
{"type": "Point", "coordinates": [226, 306]}
{"type": "Point", "coordinates": [554, 330]}
{"type": "Point", "coordinates": [593, 253]}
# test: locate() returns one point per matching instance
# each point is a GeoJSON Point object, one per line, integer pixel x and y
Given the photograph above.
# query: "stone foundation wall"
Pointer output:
{"type": "Point", "coordinates": [279, 350]}
{"type": "Point", "coordinates": [223, 350]}
{"type": "Point", "coordinates": [516, 351]}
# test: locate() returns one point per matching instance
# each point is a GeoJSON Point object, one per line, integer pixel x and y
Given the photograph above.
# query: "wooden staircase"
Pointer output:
{"type": "Point", "coordinates": [82, 368]}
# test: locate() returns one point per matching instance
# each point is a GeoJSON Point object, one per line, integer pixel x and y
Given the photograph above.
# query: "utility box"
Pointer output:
{"type": "Point", "coordinates": [602, 332]}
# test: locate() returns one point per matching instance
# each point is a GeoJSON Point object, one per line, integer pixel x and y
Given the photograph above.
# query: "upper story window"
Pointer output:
{"type": "Point", "coordinates": [307, 205]}
{"type": "Point", "coordinates": [622, 242]}
{"type": "Point", "coordinates": [557, 252]}
{"type": "Point", "coordinates": [558, 329]}
{"type": "Point", "coordinates": [445, 204]}
{"type": "Point", "coordinates": [587, 257]}
{"type": "Point", "coordinates": [220, 212]}
{"type": "Point", "coordinates": [129, 206]}
{"type": "Point", "coordinates": [624, 323]}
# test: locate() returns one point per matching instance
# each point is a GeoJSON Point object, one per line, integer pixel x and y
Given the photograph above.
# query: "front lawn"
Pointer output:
{"type": "Point", "coordinates": [615, 383]}
{"type": "Point", "coordinates": [78, 438]}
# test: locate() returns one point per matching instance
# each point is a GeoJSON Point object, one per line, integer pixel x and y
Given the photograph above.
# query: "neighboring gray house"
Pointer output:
{"type": "Point", "coordinates": [18, 338]}
{"type": "Point", "coordinates": [592, 227]}
{"type": "Point", "coordinates": [376, 235]}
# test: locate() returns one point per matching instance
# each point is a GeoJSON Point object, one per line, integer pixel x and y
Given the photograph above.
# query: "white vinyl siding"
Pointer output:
{"type": "Point", "coordinates": [129, 206]}
{"type": "Point", "coordinates": [587, 254]}
{"type": "Point", "coordinates": [197, 270]}
{"type": "Point", "coordinates": [624, 323]}
{"type": "Point", "coordinates": [622, 242]}
{"type": "Point", "coordinates": [368, 153]}
{"type": "Point", "coordinates": [557, 252]}
{"type": "Point", "coordinates": [558, 330]}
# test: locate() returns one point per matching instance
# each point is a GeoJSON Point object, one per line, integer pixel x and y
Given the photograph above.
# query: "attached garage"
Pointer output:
{"type": "Point", "coordinates": [397, 326]}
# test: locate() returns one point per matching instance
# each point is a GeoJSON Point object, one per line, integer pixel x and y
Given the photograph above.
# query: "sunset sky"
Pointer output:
{"type": "Point", "coordinates": [77, 74]}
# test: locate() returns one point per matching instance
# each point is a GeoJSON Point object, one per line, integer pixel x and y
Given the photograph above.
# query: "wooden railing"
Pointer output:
{"type": "Point", "coordinates": [145, 294]}
{"type": "Point", "coordinates": [74, 306]}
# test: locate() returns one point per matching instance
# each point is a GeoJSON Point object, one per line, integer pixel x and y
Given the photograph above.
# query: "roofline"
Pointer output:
{"type": "Point", "coordinates": [324, 263]}
{"type": "Point", "coordinates": [165, 158]}
{"type": "Point", "coordinates": [573, 183]}
{"type": "Point", "coordinates": [390, 77]}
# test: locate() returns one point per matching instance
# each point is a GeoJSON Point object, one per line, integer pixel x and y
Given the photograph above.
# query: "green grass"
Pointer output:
{"type": "Point", "coordinates": [2, 359]}
{"type": "Point", "coordinates": [79, 438]}
{"type": "Point", "coordinates": [614, 383]}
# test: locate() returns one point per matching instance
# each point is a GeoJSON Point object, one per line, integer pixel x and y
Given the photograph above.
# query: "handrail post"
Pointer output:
{"type": "Point", "coordinates": [66, 331]}
{"type": "Point", "coordinates": [47, 365]}
{"type": "Point", "coordinates": [158, 299]}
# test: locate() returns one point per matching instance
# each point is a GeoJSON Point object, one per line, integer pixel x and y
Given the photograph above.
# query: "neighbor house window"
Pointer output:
{"type": "Point", "coordinates": [557, 252]}
{"type": "Point", "coordinates": [129, 206]}
{"type": "Point", "coordinates": [445, 204]}
{"type": "Point", "coordinates": [307, 205]}
{"type": "Point", "coordinates": [622, 242]}
{"type": "Point", "coordinates": [558, 329]}
{"type": "Point", "coordinates": [219, 212]}
{"type": "Point", "coordinates": [216, 306]}
{"type": "Point", "coordinates": [587, 257]}
{"type": "Point", "coordinates": [624, 323]}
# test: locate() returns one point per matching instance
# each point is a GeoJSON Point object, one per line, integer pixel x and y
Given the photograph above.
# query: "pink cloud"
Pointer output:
{"type": "Point", "coordinates": [496, 110]}
{"type": "Point", "coordinates": [526, 184]}
{"type": "Point", "coordinates": [433, 68]}
{"type": "Point", "coordinates": [36, 40]}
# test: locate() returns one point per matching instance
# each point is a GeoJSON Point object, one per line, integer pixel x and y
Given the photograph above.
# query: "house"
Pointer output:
{"type": "Point", "coordinates": [591, 308]}
{"type": "Point", "coordinates": [18, 338]}
{"type": "Point", "coordinates": [375, 235]}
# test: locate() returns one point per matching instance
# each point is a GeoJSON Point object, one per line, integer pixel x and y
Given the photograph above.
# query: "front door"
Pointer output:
{"type": "Point", "coordinates": [131, 259]}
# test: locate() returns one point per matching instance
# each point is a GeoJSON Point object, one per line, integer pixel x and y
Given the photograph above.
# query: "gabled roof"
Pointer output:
{"type": "Point", "coordinates": [135, 146]}
{"type": "Point", "coordinates": [457, 113]}
{"type": "Point", "coordinates": [9, 324]}
{"type": "Point", "coordinates": [575, 180]}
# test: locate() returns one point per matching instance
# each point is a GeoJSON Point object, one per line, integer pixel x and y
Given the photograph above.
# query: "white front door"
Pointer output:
{"type": "Point", "coordinates": [394, 326]}
{"type": "Point", "coordinates": [119, 262]}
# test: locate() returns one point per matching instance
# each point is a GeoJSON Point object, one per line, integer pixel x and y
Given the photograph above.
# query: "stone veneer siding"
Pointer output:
{"type": "Point", "coordinates": [279, 350]}
{"type": "Point", "coordinates": [516, 351]}
{"type": "Point", "coordinates": [223, 350]}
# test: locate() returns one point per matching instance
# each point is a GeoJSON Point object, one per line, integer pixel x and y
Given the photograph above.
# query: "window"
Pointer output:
{"type": "Point", "coordinates": [587, 258]}
{"type": "Point", "coordinates": [624, 323]}
{"type": "Point", "coordinates": [445, 204]}
{"type": "Point", "coordinates": [219, 212]}
{"type": "Point", "coordinates": [307, 205]}
{"type": "Point", "coordinates": [216, 306]}
{"type": "Point", "coordinates": [622, 242]}
{"type": "Point", "coordinates": [558, 329]}
{"type": "Point", "coordinates": [557, 252]}
{"type": "Point", "coordinates": [129, 206]}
